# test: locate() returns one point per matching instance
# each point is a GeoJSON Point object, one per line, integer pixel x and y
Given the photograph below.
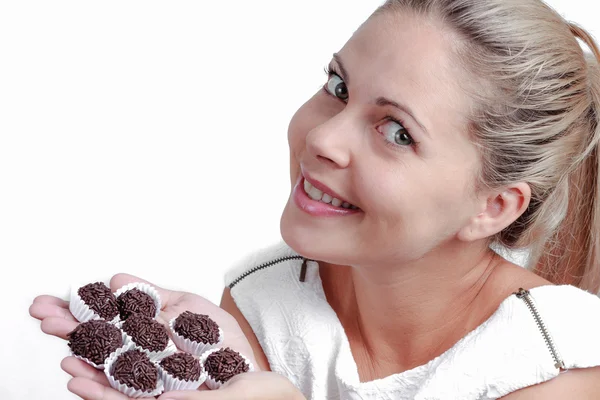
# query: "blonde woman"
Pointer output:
{"type": "Point", "coordinates": [444, 127]}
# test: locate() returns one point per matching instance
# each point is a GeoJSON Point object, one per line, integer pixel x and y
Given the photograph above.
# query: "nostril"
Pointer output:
{"type": "Point", "coordinates": [326, 160]}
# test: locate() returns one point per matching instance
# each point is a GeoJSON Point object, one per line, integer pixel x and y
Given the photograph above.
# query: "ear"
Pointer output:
{"type": "Point", "coordinates": [500, 209]}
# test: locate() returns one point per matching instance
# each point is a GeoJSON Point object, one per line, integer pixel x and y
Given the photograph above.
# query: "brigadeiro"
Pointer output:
{"type": "Point", "coordinates": [130, 371]}
{"type": "Point", "coordinates": [94, 301]}
{"type": "Point", "coordinates": [148, 334]}
{"type": "Point", "coordinates": [223, 364]}
{"type": "Point", "coordinates": [181, 371]}
{"type": "Point", "coordinates": [138, 298]}
{"type": "Point", "coordinates": [94, 341]}
{"type": "Point", "coordinates": [195, 333]}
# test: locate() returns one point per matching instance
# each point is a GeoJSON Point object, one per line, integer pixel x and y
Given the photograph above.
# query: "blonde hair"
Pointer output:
{"type": "Point", "coordinates": [536, 120]}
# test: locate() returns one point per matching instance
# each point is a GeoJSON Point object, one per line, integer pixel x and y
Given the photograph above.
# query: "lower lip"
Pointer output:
{"type": "Point", "coordinates": [317, 208]}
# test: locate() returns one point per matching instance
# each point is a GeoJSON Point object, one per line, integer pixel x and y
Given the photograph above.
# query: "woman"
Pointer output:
{"type": "Point", "coordinates": [444, 127]}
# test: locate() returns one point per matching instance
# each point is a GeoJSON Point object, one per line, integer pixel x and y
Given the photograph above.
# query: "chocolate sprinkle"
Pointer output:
{"type": "Point", "coordinates": [197, 327]}
{"type": "Point", "coordinates": [146, 332]}
{"type": "Point", "coordinates": [135, 301]}
{"type": "Point", "coordinates": [134, 369]}
{"type": "Point", "coordinates": [100, 299]}
{"type": "Point", "coordinates": [95, 340]}
{"type": "Point", "coordinates": [183, 366]}
{"type": "Point", "coordinates": [224, 364]}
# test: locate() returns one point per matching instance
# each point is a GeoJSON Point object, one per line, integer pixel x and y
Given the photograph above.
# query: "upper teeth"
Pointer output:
{"type": "Point", "coordinates": [318, 195]}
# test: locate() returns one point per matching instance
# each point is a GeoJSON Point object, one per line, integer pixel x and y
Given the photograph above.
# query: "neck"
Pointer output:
{"type": "Point", "coordinates": [401, 317]}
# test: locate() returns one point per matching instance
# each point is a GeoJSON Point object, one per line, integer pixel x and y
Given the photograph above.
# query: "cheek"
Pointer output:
{"type": "Point", "coordinates": [295, 142]}
{"type": "Point", "coordinates": [423, 195]}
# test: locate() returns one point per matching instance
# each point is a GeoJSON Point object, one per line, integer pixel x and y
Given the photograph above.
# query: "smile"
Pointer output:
{"type": "Point", "coordinates": [321, 196]}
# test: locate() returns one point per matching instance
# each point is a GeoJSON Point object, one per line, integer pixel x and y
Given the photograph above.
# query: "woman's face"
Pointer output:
{"type": "Point", "coordinates": [387, 134]}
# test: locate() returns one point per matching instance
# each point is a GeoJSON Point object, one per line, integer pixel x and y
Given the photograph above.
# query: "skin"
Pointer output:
{"type": "Point", "coordinates": [410, 274]}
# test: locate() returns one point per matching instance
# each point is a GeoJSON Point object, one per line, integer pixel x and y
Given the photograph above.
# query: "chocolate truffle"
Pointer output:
{"type": "Point", "coordinates": [197, 327]}
{"type": "Point", "coordinates": [134, 369]}
{"type": "Point", "coordinates": [135, 301]}
{"type": "Point", "coordinates": [224, 364]}
{"type": "Point", "coordinates": [98, 297]}
{"type": "Point", "coordinates": [95, 340]}
{"type": "Point", "coordinates": [183, 366]}
{"type": "Point", "coordinates": [146, 332]}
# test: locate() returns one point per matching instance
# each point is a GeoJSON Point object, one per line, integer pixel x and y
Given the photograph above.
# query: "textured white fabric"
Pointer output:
{"type": "Point", "coordinates": [304, 340]}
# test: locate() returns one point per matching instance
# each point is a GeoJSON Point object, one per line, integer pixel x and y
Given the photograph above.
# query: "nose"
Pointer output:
{"type": "Point", "coordinates": [331, 141]}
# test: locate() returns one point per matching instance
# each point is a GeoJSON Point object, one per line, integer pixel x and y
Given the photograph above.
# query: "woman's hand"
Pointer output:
{"type": "Point", "coordinates": [90, 383]}
{"type": "Point", "coordinates": [249, 386]}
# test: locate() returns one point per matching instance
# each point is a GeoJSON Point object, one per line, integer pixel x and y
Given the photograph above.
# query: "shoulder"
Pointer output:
{"type": "Point", "coordinates": [228, 304]}
{"type": "Point", "coordinates": [580, 384]}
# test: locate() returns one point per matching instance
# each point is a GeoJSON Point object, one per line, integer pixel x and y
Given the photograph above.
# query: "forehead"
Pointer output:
{"type": "Point", "coordinates": [408, 58]}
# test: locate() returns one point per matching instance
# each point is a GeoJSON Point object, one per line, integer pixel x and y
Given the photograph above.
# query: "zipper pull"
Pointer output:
{"type": "Point", "coordinates": [521, 293]}
{"type": "Point", "coordinates": [303, 270]}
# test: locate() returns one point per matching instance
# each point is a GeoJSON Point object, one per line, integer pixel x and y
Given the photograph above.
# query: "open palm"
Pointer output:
{"type": "Point", "coordinates": [90, 383]}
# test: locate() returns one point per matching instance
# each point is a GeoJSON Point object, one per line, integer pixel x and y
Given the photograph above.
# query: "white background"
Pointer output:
{"type": "Point", "coordinates": [148, 138]}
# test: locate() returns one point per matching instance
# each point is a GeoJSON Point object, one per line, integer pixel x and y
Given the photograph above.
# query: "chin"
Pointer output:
{"type": "Point", "coordinates": [309, 243]}
{"type": "Point", "coordinates": [294, 236]}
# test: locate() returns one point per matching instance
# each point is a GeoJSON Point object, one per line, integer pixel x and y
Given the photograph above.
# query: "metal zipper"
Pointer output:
{"type": "Point", "coordinates": [528, 299]}
{"type": "Point", "coordinates": [263, 266]}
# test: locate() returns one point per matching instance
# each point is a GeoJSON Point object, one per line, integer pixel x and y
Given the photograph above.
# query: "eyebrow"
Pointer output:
{"type": "Point", "coordinates": [381, 101]}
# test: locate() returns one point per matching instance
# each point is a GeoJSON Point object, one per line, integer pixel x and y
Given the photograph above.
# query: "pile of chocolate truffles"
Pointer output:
{"type": "Point", "coordinates": [119, 334]}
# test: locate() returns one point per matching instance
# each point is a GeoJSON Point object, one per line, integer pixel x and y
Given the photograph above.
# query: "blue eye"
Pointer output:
{"type": "Point", "coordinates": [395, 133]}
{"type": "Point", "coordinates": [336, 86]}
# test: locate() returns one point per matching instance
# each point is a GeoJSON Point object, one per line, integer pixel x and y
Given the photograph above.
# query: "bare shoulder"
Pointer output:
{"type": "Point", "coordinates": [581, 384]}
{"type": "Point", "coordinates": [228, 304]}
{"type": "Point", "coordinates": [509, 277]}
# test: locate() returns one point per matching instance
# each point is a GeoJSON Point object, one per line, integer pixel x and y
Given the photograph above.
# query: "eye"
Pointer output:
{"type": "Point", "coordinates": [395, 133]}
{"type": "Point", "coordinates": [336, 86]}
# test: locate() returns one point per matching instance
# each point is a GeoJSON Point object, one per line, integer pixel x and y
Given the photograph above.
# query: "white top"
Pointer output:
{"type": "Point", "coordinates": [304, 340]}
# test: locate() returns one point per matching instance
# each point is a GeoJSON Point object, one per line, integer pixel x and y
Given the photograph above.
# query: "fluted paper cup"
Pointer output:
{"type": "Point", "coordinates": [93, 364]}
{"type": "Point", "coordinates": [212, 383]}
{"type": "Point", "coordinates": [173, 383]}
{"type": "Point", "coordinates": [190, 346]}
{"type": "Point", "coordinates": [123, 388]}
{"type": "Point", "coordinates": [81, 311]}
{"type": "Point", "coordinates": [145, 288]}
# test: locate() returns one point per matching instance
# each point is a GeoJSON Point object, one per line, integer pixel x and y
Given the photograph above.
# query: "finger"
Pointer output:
{"type": "Point", "coordinates": [79, 369]}
{"type": "Point", "coordinates": [91, 390]}
{"type": "Point", "coordinates": [47, 299]}
{"type": "Point", "coordinates": [41, 310]}
{"type": "Point", "coordinates": [58, 326]}
{"type": "Point", "coordinates": [120, 280]}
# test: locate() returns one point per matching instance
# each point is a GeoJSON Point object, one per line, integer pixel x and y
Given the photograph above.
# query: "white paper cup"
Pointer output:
{"type": "Point", "coordinates": [127, 390]}
{"type": "Point", "coordinates": [100, 366]}
{"type": "Point", "coordinates": [190, 346]}
{"type": "Point", "coordinates": [173, 383]}
{"type": "Point", "coordinates": [81, 311]}
{"type": "Point", "coordinates": [210, 382]}
{"type": "Point", "coordinates": [154, 355]}
{"type": "Point", "coordinates": [145, 288]}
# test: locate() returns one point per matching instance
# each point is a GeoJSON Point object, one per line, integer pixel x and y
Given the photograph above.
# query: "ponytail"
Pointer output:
{"type": "Point", "coordinates": [572, 255]}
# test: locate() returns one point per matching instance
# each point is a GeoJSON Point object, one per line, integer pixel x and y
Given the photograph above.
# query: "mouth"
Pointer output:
{"type": "Point", "coordinates": [324, 197]}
